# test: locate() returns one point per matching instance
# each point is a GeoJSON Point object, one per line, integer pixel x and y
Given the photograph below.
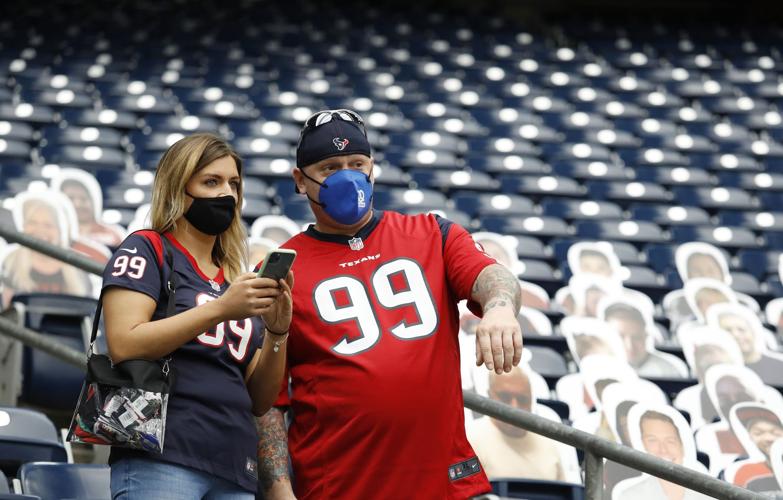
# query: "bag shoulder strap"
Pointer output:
{"type": "Point", "coordinates": [169, 289]}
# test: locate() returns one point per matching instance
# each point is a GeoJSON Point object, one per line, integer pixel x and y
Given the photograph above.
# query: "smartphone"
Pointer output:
{"type": "Point", "coordinates": [277, 263]}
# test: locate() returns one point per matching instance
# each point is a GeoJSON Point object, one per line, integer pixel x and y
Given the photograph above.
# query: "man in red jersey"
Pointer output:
{"type": "Point", "coordinates": [375, 395]}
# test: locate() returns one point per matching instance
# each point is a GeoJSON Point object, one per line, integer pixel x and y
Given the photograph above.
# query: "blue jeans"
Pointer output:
{"type": "Point", "coordinates": [143, 479]}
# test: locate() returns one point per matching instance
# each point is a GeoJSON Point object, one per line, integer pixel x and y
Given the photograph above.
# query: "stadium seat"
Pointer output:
{"type": "Point", "coordinates": [531, 489]}
{"type": "Point", "coordinates": [621, 230]}
{"type": "Point", "coordinates": [47, 381]}
{"type": "Point", "coordinates": [53, 481]}
{"type": "Point", "coordinates": [670, 215]}
{"type": "Point", "coordinates": [26, 436]}
{"type": "Point", "coordinates": [526, 226]}
{"type": "Point", "coordinates": [547, 362]}
{"type": "Point", "coordinates": [731, 237]}
{"type": "Point", "coordinates": [581, 209]}
{"type": "Point", "coordinates": [623, 192]}
{"type": "Point", "coordinates": [484, 204]}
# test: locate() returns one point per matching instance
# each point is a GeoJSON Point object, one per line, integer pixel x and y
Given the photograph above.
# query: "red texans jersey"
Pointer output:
{"type": "Point", "coordinates": [374, 361]}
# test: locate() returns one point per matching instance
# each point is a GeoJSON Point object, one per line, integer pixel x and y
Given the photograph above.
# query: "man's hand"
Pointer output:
{"type": "Point", "coordinates": [498, 337]}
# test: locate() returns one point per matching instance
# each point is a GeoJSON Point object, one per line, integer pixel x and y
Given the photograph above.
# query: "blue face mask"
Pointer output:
{"type": "Point", "coordinates": [345, 196]}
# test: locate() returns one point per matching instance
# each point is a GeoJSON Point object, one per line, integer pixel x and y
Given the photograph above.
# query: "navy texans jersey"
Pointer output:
{"type": "Point", "coordinates": [209, 425]}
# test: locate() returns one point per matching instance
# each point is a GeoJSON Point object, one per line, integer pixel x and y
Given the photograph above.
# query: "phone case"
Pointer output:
{"type": "Point", "coordinates": [277, 263]}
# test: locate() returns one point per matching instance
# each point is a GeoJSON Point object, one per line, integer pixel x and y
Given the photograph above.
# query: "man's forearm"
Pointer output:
{"type": "Point", "coordinates": [496, 286]}
{"type": "Point", "coordinates": [273, 453]}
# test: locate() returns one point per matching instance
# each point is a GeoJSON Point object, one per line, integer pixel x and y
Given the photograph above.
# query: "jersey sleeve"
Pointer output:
{"type": "Point", "coordinates": [136, 265]}
{"type": "Point", "coordinates": [464, 260]}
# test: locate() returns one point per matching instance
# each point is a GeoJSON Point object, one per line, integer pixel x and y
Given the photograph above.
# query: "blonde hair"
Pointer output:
{"type": "Point", "coordinates": [178, 164]}
{"type": "Point", "coordinates": [18, 264]}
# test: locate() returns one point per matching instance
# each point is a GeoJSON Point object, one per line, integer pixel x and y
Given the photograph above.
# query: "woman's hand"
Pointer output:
{"type": "Point", "coordinates": [277, 317]}
{"type": "Point", "coordinates": [249, 296]}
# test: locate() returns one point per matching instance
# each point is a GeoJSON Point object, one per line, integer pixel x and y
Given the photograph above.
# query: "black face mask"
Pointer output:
{"type": "Point", "coordinates": [211, 215]}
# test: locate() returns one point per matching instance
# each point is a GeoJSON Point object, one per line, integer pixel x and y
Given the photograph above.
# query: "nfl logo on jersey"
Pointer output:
{"type": "Point", "coordinates": [356, 243]}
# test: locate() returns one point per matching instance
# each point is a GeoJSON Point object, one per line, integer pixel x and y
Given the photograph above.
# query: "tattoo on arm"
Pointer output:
{"type": "Point", "coordinates": [496, 286]}
{"type": "Point", "coordinates": [272, 449]}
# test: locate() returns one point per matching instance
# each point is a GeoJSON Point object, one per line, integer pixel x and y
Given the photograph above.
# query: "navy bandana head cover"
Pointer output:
{"type": "Point", "coordinates": [334, 138]}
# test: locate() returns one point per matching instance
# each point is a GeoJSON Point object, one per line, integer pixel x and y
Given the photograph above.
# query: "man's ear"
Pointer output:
{"type": "Point", "coordinates": [372, 170]}
{"type": "Point", "coordinates": [299, 180]}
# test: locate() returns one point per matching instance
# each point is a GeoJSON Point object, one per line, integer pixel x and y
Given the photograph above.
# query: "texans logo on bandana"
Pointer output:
{"type": "Point", "coordinates": [340, 143]}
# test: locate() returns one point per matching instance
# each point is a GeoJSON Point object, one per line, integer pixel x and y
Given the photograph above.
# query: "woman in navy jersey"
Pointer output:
{"type": "Point", "coordinates": [224, 372]}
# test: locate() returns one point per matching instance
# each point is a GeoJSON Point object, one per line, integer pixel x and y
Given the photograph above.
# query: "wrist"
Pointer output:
{"type": "Point", "coordinates": [276, 332]}
{"type": "Point", "coordinates": [276, 339]}
{"type": "Point", "coordinates": [217, 310]}
{"type": "Point", "coordinates": [499, 303]}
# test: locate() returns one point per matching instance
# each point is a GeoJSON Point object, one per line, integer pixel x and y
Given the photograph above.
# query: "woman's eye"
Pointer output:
{"type": "Point", "coordinates": [211, 182]}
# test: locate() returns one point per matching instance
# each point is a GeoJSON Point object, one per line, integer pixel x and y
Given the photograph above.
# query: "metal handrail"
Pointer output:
{"type": "Point", "coordinates": [66, 255]}
{"type": "Point", "coordinates": [596, 448]}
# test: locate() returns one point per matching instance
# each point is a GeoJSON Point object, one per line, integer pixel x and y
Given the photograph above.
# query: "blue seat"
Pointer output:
{"type": "Point", "coordinates": [27, 113]}
{"type": "Point", "coordinates": [526, 226]}
{"type": "Point", "coordinates": [104, 117]}
{"type": "Point", "coordinates": [530, 247]}
{"type": "Point", "coordinates": [17, 131]}
{"type": "Point", "coordinates": [445, 180]}
{"type": "Point", "coordinates": [643, 277]}
{"type": "Point", "coordinates": [745, 283]}
{"type": "Point", "coordinates": [669, 176]}
{"type": "Point", "coordinates": [47, 381]}
{"type": "Point", "coordinates": [53, 481]}
{"type": "Point", "coordinates": [627, 191]}
{"type": "Point", "coordinates": [583, 151]}
{"type": "Point", "coordinates": [653, 156]}
{"type": "Point", "coordinates": [59, 98]}
{"type": "Point", "coordinates": [536, 271]}
{"type": "Point", "coordinates": [85, 156]}
{"type": "Point", "coordinates": [28, 436]}
{"type": "Point", "coordinates": [758, 262]}
{"type": "Point", "coordinates": [142, 104]}
{"type": "Point", "coordinates": [588, 170]}
{"type": "Point", "coordinates": [581, 209]}
{"type": "Point", "coordinates": [399, 198]}
{"type": "Point", "coordinates": [498, 144]}
{"type": "Point", "coordinates": [482, 204]}
{"type": "Point", "coordinates": [717, 197]}
{"type": "Point", "coordinates": [758, 221]}
{"type": "Point", "coordinates": [422, 158]}
{"type": "Point", "coordinates": [14, 150]}
{"type": "Point", "coordinates": [84, 136]}
{"type": "Point", "coordinates": [632, 231]}
{"type": "Point", "coordinates": [533, 489]}
{"type": "Point", "coordinates": [262, 147]}
{"type": "Point", "coordinates": [517, 164]}
{"type": "Point", "coordinates": [187, 124]}
{"type": "Point", "coordinates": [541, 185]}
{"type": "Point", "coordinates": [721, 236]}
{"type": "Point", "coordinates": [548, 363]}
{"type": "Point", "coordinates": [437, 141]}
{"type": "Point", "coordinates": [669, 215]}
